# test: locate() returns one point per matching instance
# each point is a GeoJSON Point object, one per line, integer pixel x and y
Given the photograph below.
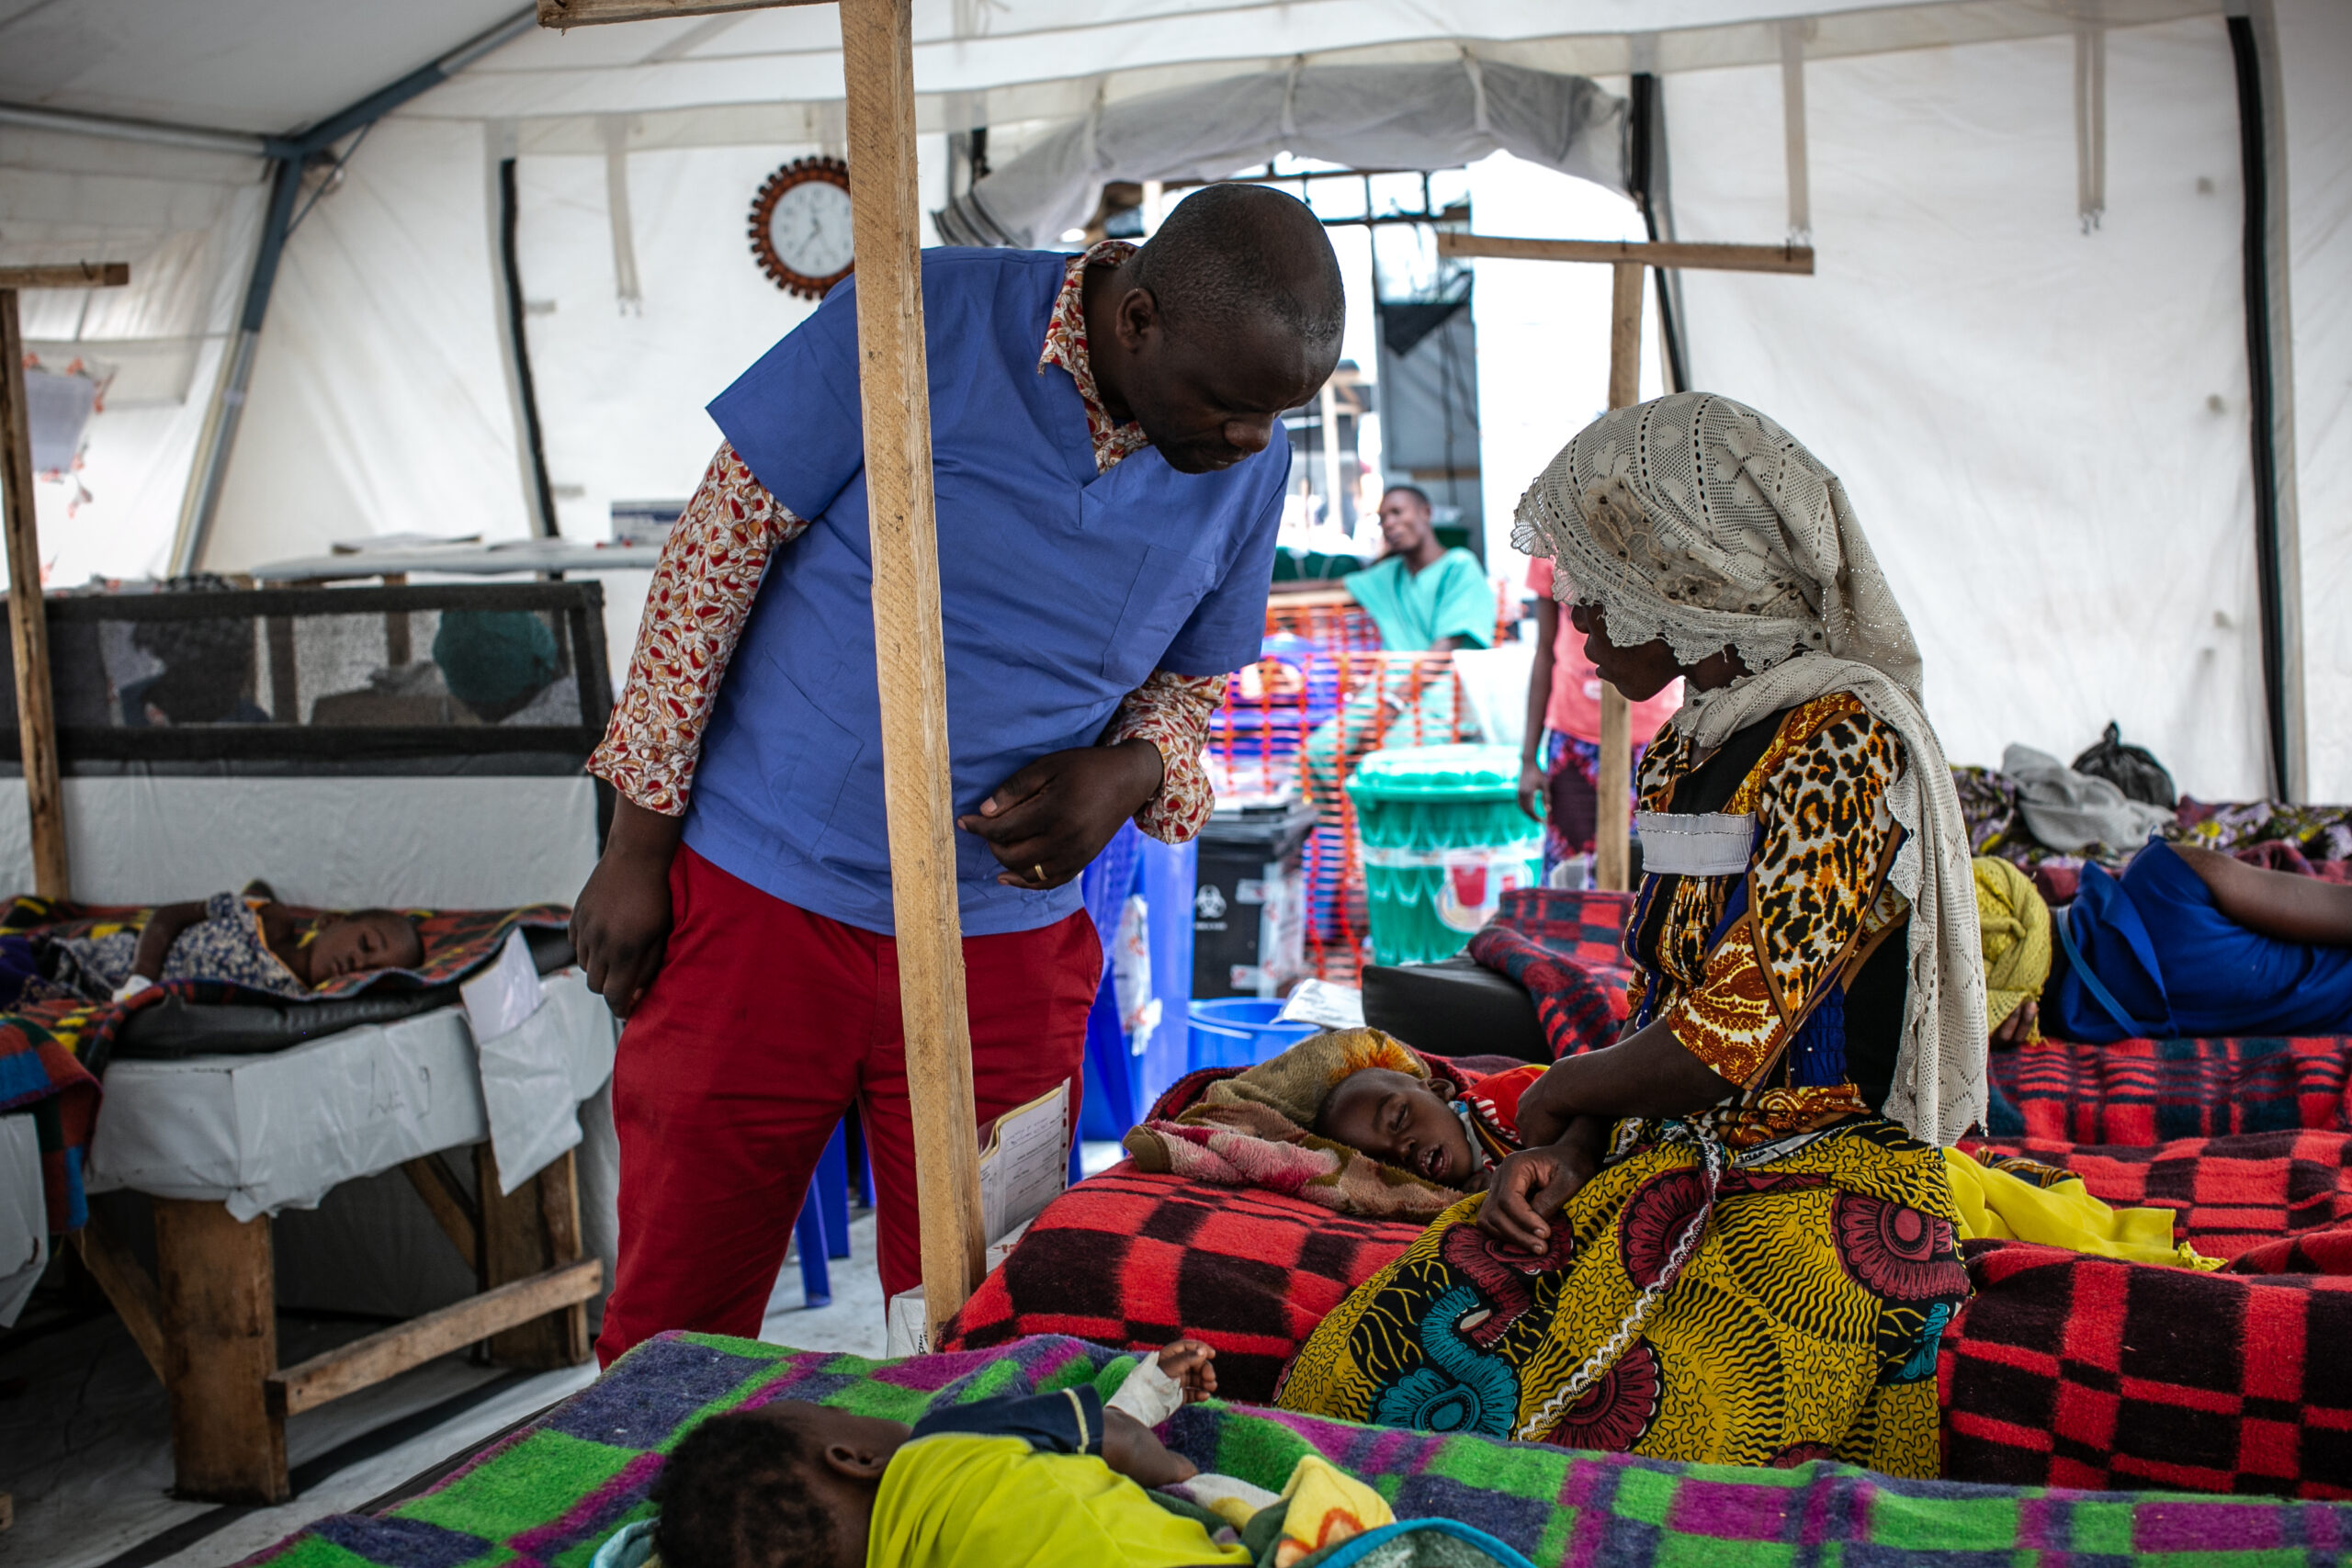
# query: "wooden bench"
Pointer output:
{"type": "Point", "coordinates": [207, 1319]}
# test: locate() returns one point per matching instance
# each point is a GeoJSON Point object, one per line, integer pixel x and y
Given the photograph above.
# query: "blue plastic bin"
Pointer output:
{"type": "Point", "coordinates": [1241, 1031]}
{"type": "Point", "coordinates": [1122, 1082]}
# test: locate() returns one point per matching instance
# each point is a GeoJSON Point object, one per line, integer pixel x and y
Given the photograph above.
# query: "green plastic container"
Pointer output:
{"type": "Point", "coordinates": [1442, 840]}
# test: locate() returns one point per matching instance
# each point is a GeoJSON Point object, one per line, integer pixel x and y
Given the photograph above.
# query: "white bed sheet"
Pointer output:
{"type": "Point", "coordinates": [281, 1131]}
{"type": "Point", "coordinates": [24, 1215]}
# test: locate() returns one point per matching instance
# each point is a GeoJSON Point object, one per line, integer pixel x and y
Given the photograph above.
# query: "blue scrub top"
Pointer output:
{"type": "Point", "coordinates": [1060, 591]}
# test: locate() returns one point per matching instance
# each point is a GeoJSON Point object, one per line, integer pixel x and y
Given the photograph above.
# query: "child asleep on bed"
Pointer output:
{"type": "Point", "coordinates": [248, 941]}
{"type": "Point", "coordinates": [1043, 1481]}
{"type": "Point", "coordinates": [1415, 1123]}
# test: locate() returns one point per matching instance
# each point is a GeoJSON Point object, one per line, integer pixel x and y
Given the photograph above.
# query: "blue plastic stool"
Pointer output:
{"type": "Point", "coordinates": [822, 1230]}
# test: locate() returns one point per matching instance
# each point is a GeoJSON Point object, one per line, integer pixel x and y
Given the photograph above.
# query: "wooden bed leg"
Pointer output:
{"type": "Point", "coordinates": [526, 1232]}
{"type": "Point", "coordinates": [217, 1290]}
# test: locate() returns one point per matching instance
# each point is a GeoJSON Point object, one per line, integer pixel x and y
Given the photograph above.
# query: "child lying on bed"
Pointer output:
{"type": "Point", "coordinates": [247, 942]}
{"type": "Point", "coordinates": [1417, 1123]}
{"type": "Point", "coordinates": [1044, 1480]}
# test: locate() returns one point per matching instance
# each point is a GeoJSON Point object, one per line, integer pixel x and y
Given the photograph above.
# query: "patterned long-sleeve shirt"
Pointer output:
{"type": "Point", "coordinates": [710, 568]}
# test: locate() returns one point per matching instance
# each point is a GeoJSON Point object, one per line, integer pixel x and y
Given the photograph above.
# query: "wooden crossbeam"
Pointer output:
{"type": "Point", "coordinates": [451, 1205]}
{"type": "Point", "coordinates": [588, 13]}
{"type": "Point", "coordinates": [67, 275]}
{"type": "Point", "coordinates": [365, 1362]}
{"type": "Point", "coordinates": [1708, 258]}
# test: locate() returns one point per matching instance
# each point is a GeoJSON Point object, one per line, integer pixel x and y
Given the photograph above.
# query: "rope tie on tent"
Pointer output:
{"type": "Point", "coordinates": [625, 292]}
{"type": "Point", "coordinates": [1290, 95]}
{"type": "Point", "coordinates": [2090, 123]}
{"type": "Point", "coordinates": [1792, 131]}
{"type": "Point", "coordinates": [1472, 68]}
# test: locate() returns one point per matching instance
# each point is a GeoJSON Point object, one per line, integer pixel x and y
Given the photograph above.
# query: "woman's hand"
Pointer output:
{"type": "Point", "coordinates": [1531, 787]}
{"type": "Point", "coordinates": [1530, 1188]}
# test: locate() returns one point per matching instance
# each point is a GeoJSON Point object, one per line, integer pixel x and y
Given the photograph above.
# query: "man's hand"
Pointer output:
{"type": "Point", "coordinates": [1130, 1449]}
{"type": "Point", "coordinates": [620, 924]}
{"type": "Point", "coordinates": [1529, 1189]}
{"type": "Point", "coordinates": [1047, 822]}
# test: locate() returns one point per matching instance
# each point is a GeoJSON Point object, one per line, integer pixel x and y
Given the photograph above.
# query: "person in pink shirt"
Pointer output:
{"type": "Point", "coordinates": [1560, 759]}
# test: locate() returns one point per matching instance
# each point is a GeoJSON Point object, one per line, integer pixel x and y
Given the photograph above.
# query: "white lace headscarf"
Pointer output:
{"type": "Point", "coordinates": [1697, 520]}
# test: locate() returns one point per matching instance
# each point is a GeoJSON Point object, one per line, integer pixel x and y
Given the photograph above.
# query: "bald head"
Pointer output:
{"type": "Point", "coordinates": [1232, 256]}
{"type": "Point", "coordinates": [1230, 315]}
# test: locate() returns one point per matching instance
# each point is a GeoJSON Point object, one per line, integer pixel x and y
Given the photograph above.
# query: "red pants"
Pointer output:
{"type": "Point", "coordinates": [765, 1024]}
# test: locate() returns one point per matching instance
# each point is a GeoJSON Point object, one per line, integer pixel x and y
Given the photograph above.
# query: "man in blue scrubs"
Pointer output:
{"type": "Point", "coordinates": [1110, 476]}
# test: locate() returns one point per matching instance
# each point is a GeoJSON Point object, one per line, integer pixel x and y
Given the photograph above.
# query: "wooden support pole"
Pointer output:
{"type": "Point", "coordinates": [877, 68]}
{"type": "Point", "coordinates": [452, 1208]}
{"type": "Point", "coordinates": [27, 621]}
{"type": "Point", "coordinates": [220, 1311]}
{"type": "Point", "coordinates": [1613, 785]}
{"type": "Point", "coordinates": [1712, 258]}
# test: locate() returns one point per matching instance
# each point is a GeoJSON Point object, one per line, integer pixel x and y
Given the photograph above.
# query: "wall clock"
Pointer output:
{"type": "Point", "coordinates": [800, 232]}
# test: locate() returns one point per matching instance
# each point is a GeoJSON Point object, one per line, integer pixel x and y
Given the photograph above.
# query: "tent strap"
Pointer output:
{"type": "Point", "coordinates": [1646, 176]}
{"type": "Point", "coordinates": [2273, 568]}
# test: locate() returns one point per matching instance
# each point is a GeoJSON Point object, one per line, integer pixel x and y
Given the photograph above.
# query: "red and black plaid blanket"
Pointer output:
{"type": "Point", "coordinates": [2229, 1195]}
{"type": "Point", "coordinates": [2147, 1092]}
{"type": "Point", "coordinates": [1131, 1260]}
{"type": "Point", "coordinates": [1568, 951]}
{"type": "Point", "coordinates": [2065, 1369]}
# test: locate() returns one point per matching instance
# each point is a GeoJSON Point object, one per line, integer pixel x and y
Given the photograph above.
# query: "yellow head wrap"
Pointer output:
{"type": "Point", "coordinates": [2015, 924]}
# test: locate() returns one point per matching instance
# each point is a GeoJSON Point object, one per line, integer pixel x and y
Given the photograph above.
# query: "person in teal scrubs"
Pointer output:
{"type": "Point", "coordinates": [1423, 597]}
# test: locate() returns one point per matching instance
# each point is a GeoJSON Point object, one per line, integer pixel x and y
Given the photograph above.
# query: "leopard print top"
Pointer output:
{"type": "Point", "coordinates": [1816, 903]}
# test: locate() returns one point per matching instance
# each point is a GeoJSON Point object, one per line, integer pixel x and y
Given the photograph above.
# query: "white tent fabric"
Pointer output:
{"type": "Point", "coordinates": [2023, 411]}
{"type": "Point", "coordinates": [2044, 432]}
{"type": "Point", "coordinates": [1393, 117]}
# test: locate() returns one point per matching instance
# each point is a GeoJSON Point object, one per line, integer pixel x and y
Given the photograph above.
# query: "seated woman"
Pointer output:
{"type": "Point", "coordinates": [2189, 942]}
{"type": "Point", "coordinates": [242, 941]}
{"type": "Point", "coordinates": [1717, 1245]}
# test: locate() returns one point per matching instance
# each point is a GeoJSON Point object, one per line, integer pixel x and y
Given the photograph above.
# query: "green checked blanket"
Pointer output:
{"type": "Point", "coordinates": [550, 1493]}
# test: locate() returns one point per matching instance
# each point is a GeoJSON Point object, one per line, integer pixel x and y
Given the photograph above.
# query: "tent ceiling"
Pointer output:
{"type": "Point", "coordinates": [276, 66]}
{"type": "Point", "coordinates": [267, 66]}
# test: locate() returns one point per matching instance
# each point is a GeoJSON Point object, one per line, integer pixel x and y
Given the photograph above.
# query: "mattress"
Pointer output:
{"type": "Point", "coordinates": [266, 1133]}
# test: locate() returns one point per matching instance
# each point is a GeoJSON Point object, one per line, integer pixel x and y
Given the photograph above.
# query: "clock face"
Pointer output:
{"type": "Point", "coordinates": [800, 226]}
{"type": "Point", "coordinates": [809, 229]}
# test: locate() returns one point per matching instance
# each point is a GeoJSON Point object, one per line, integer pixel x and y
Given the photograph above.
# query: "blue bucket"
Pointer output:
{"type": "Point", "coordinates": [1241, 1031]}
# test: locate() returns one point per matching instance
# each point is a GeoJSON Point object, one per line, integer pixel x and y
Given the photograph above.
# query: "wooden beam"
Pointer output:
{"type": "Point", "coordinates": [127, 1286]}
{"type": "Point", "coordinates": [68, 275]}
{"type": "Point", "coordinates": [1712, 258]}
{"type": "Point", "coordinates": [878, 67]}
{"type": "Point", "coordinates": [365, 1362]}
{"type": "Point", "coordinates": [452, 1207]}
{"type": "Point", "coordinates": [219, 1317]}
{"type": "Point", "coordinates": [28, 617]}
{"type": "Point", "coordinates": [588, 13]}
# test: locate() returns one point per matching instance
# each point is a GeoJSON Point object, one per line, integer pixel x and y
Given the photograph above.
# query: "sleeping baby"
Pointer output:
{"type": "Point", "coordinates": [243, 940]}
{"type": "Point", "coordinates": [1417, 1123]}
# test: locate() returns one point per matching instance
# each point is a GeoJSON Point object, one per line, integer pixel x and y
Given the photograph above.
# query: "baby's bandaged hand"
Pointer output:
{"type": "Point", "coordinates": [1149, 1394]}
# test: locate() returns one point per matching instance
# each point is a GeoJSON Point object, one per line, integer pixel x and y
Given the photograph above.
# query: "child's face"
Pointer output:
{"type": "Point", "coordinates": [364, 942]}
{"type": "Point", "coordinates": [1398, 1119]}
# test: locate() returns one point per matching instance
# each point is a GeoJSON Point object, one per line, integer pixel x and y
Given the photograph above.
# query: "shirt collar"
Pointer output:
{"type": "Point", "coordinates": [1065, 346]}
